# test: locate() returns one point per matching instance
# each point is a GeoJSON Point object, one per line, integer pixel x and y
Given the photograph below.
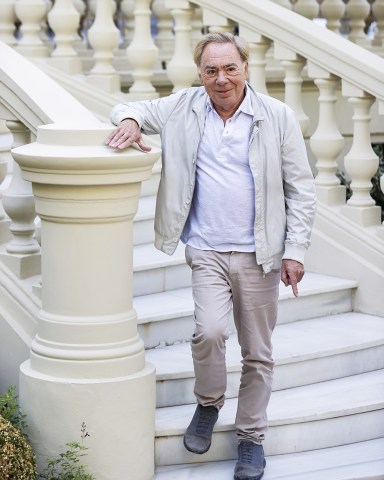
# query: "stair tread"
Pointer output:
{"type": "Point", "coordinates": [293, 342]}
{"type": "Point", "coordinates": [159, 306]}
{"type": "Point", "coordinates": [363, 460]}
{"type": "Point", "coordinates": [146, 256]}
{"type": "Point", "coordinates": [146, 208]}
{"type": "Point", "coordinates": [329, 399]}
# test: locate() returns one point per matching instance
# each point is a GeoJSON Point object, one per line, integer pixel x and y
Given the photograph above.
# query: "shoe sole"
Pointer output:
{"type": "Point", "coordinates": [195, 451]}
{"type": "Point", "coordinates": [251, 478]}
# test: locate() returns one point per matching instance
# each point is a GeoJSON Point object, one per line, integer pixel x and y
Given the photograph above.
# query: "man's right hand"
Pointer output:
{"type": "Point", "coordinates": [126, 134]}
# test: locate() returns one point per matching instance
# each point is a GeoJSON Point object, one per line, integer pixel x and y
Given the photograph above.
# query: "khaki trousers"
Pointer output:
{"type": "Point", "coordinates": [221, 281]}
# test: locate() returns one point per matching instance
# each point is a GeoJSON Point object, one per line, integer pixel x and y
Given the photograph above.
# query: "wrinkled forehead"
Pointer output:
{"type": "Point", "coordinates": [219, 55]}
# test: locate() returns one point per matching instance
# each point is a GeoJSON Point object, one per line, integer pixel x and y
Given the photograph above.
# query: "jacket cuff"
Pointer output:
{"type": "Point", "coordinates": [119, 117]}
{"type": "Point", "coordinates": [294, 252]}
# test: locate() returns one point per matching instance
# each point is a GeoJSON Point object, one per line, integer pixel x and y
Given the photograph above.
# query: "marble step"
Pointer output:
{"type": "Point", "coordinates": [143, 231]}
{"type": "Point", "coordinates": [167, 316]}
{"type": "Point", "coordinates": [149, 187]}
{"type": "Point", "coordinates": [310, 417]}
{"type": "Point", "coordinates": [305, 352]}
{"type": "Point", "coordinates": [155, 272]}
{"type": "Point", "coordinates": [357, 461]}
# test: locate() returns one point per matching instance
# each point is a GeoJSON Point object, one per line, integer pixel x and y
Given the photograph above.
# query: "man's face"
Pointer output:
{"type": "Point", "coordinates": [223, 74]}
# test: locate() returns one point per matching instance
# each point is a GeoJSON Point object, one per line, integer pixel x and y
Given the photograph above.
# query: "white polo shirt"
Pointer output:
{"type": "Point", "coordinates": [223, 207]}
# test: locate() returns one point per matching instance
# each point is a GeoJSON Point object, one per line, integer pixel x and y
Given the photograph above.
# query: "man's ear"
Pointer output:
{"type": "Point", "coordinates": [246, 70]}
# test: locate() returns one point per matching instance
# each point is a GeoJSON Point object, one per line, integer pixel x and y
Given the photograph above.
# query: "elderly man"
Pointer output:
{"type": "Point", "coordinates": [237, 190]}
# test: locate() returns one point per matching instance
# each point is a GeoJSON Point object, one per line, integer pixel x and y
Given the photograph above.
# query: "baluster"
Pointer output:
{"type": "Point", "coordinates": [165, 38]}
{"type": "Point", "coordinates": [217, 22]}
{"type": "Point", "coordinates": [327, 142]}
{"type": "Point", "coordinates": [333, 11]}
{"type": "Point", "coordinates": [293, 65]}
{"type": "Point", "coordinates": [103, 36]}
{"type": "Point", "coordinates": [79, 43]}
{"type": "Point", "coordinates": [31, 14]}
{"type": "Point", "coordinates": [128, 7]}
{"type": "Point", "coordinates": [357, 11]}
{"type": "Point", "coordinates": [80, 6]}
{"type": "Point", "coordinates": [142, 54]}
{"type": "Point", "coordinates": [181, 69]}
{"type": "Point", "coordinates": [7, 22]}
{"type": "Point", "coordinates": [229, 26]}
{"type": "Point", "coordinates": [22, 252]}
{"type": "Point", "coordinates": [258, 48]}
{"type": "Point", "coordinates": [258, 63]}
{"type": "Point", "coordinates": [5, 160]}
{"type": "Point", "coordinates": [45, 35]}
{"type": "Point", "coordinates": [307, 8]}
{"type": "Point", "coordinates": [127, 28]}
{"type": "Point", "coordinates": [361, 162]}
{"type": "Point", "coordinates": [197, 26]}
{"type": "Point", "coordinates": [378, 12]}
{"type": "Point", "coordinates": [64, 20]}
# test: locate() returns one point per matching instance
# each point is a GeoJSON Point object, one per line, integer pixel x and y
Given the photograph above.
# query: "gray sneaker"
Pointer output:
{"type": "Point", "coordinates": [197, 438]}
{"type": "Point", "coordinates": [251, 462]}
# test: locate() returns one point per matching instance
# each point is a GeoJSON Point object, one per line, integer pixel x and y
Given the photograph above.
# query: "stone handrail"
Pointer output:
{"type": "Point", "coordinates": [33, 97]}
{"type": "Point", "coordinates": [323, 48]}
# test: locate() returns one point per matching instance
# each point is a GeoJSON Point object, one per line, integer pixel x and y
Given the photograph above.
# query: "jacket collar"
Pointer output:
{"type": "Point", "coordinates": [200, 109]}
{"type": "Point", "coordinates": [256, 104]}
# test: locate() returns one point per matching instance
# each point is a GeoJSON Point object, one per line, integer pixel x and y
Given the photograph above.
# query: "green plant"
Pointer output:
{"type": "Point", "coordinates": [67, 465]}
{"type": "Point", "coordinates": [17, 461]}
{"type": "Point", "coordinates": [10, 410]}
{"type": "Point", "coordinates": [376, 192]}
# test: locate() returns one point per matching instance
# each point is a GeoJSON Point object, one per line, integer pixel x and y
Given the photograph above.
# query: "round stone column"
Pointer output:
{"type": "Point", "coordinates": [87, 361]}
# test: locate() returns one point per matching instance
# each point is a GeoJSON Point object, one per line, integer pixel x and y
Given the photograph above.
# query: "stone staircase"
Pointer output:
{"type": "Point", "coordinates": [326, 413]}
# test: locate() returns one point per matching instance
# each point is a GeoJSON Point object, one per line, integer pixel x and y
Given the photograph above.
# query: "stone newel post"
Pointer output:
{"type": "Point", "coordinates": [87, 361]}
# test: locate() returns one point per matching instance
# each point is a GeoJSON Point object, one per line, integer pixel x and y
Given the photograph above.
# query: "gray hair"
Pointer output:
{"type": "Point", "coordinates": [221, 37]}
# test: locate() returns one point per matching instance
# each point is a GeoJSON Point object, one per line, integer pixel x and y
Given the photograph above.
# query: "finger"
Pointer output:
{"type": "Point", "coordinates": [143, 146]}
{"type": "Point", "coordinates": [111, 138]}
{"type": "Point", "coordinates": [295, 290]}
{"type": "Point", "coordinates": [123, 140]}
{"type": "Point", "coordinates": [116, 139]}
{"type": "Point", "coordinates": [284, 277]}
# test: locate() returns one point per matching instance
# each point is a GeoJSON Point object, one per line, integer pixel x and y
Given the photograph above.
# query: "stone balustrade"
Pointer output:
{"type": "Point", "coordinates": [126, 40]}
{"type": "Point", "coordinates": [86, 195]}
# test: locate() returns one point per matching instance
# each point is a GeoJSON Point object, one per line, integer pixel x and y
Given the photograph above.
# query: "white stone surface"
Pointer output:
{"type": "Point", "coordinates": [155, 272]}
{"type": "Point", "coordinates": [167, 314]}
{"type": "Point", "coordinates": [305, 352]}
{"type": "Point", "coordinates": [357, 461]}
{"type": "Point", "coordinates": [143, 227]}
{"type": "Point", "coordinates": [304, 418]}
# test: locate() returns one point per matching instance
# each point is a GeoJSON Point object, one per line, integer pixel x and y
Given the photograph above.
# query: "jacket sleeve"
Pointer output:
{"type": "Point", "coordinates": [299, 190]}
{"type": "Point", "coordinates": [151, 115]}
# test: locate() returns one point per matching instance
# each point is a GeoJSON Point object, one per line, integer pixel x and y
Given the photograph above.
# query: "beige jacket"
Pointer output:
{"type": "Point", "coordinates": [285, 199]}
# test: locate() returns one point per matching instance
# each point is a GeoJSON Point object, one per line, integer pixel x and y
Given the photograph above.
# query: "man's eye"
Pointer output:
{"type": "Point", "coordinates": [210, 72]}
{"type": "Point", "coordinates": [231, 70]}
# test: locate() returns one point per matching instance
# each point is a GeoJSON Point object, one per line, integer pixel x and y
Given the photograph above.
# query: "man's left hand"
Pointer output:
{"type": "Point", "coordinates": [291, 274]}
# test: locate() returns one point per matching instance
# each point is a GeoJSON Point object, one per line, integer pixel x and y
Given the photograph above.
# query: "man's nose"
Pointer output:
{"type": "Point", "coordinates": [221, 76]}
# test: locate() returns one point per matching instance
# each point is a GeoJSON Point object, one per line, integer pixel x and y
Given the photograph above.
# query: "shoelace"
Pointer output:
{"type": "Point", "coordinates": [246, 453]}
{"type": "Point", "coordinates": [205, 421]}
